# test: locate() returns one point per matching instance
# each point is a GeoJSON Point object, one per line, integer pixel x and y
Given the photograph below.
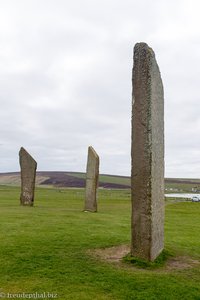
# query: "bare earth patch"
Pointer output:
{"type": "Point", "coordinates": [115, 255]}
{"type": "Point", "coordinates": [181, 262]}
{"type": "Point", "coordinates": [112, 254]}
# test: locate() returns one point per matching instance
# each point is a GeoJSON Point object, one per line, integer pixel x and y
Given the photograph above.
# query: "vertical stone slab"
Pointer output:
{"type": "Point", "coordinates": [92, 178]}
{"type": "Point", "coordinates": [147, 178]}
{"type": "Point", "coordinates": [28, 173]}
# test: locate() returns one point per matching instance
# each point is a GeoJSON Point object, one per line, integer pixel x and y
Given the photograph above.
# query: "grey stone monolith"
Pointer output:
{"type": "Point", "coordinates": [147, 178]}
{"type": "Point", "coordinates": [92, 178]}
{"type": "Point", "coordinates": [28, 173]}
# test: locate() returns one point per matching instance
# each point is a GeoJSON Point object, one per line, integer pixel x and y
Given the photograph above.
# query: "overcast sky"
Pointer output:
{"type": "Point", "coordinates": [65, 81]}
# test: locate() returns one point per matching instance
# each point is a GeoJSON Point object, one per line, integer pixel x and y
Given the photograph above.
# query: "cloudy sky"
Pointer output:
{"type": "Point", "coordinates": [65, 81]}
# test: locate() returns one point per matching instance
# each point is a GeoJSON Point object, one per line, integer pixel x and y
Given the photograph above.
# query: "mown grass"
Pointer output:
{"type": "Point", "coordinates": [44, 248]}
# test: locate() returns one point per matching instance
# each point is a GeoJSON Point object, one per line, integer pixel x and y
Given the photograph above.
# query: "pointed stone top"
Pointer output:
{"type": "Point", "coordinates": [23, 152]}
{"type": "Point", "coordinates": [91, 150]}
{"type": "Point", "coordinates": [141, 45]}
{"type": "Point", "coordinates": [143, 49]}
{"type": "Point", "coordinates": [22, 149]}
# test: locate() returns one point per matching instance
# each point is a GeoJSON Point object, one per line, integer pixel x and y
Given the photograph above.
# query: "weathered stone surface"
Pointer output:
{"type": "Point", "coordinates": [28, 173]}
{"type": "Point", "coordinates": [147, 155]}
{"type": "Point", "coordinates": [92, 178]}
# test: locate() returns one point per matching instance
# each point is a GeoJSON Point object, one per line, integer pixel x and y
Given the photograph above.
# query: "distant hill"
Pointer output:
{"type": "Point", "coordinates": [77, 179]}
{"type": "Point", "coordinates": [67, 179]}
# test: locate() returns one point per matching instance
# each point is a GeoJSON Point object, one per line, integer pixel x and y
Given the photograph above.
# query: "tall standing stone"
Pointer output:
{"type": "Point", "coordinates": [92, 178]}
{"type": "Point", "coordinates": [147, 156]}
{"type": "Point", "coordinates": [28, 173]}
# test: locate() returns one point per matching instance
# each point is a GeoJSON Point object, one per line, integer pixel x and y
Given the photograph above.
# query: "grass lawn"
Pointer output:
{"type": "Point", "coordinates": [44, 248]}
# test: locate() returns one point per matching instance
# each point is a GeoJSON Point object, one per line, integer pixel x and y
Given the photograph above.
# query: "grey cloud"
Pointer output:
{"type": "Point", "coordinates": [65, 74]}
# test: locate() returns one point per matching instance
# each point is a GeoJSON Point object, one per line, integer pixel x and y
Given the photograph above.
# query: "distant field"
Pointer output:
{"type": "Point", "coordinates": [67, 179]}
{"type": "Point", "coordinates": [182, 185]}
{"type": "Point", "coordinates": [77, 179]}
{"type": "Point", "coordinates": [46, 248]}
{"type": "Point", "coordinates": [122, 180]}
{"type": "Point", "coordinates": [16, 180]}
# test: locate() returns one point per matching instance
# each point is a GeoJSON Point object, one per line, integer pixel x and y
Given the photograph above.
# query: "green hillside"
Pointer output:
{"type": "Point", "coordinates": [117, 179]}
{"type": "Point", "coordinates": [77, 179]}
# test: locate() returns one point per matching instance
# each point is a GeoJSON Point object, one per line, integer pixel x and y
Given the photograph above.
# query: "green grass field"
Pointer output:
{"type": "Point", "coordinates": [45, 248]}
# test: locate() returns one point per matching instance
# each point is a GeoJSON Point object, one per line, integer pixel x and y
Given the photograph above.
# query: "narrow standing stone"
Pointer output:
{"type": "Point", "coordinates": [147, 178]}
{"type": "Point", "coordinates": [28, 173]}
{"type": "Point", "coordinates": [92, 177]}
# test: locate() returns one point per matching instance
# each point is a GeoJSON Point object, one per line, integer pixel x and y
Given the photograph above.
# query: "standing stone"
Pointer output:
{"type": "Point", "coordinates": [28, 173]}
{"type": "Point", "coordinates": [147, 178]}
{"type": "Point", "coordinates": [92, 178]}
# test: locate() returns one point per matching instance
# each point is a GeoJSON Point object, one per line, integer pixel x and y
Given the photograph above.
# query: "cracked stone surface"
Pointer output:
{"type": "Point", "coordinates": [28, 173]}
{"type": "Point", "coordinates": [92, 178]}
{"type": "Point", "coordinates": [147, 175]}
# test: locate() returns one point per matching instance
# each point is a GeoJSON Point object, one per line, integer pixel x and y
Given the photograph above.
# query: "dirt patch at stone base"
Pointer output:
{"type": "Point", "coordinates": [113, 254]}
{"type": "Point", "coordinates": [181, 262]}
{"type": "Point", "coordinates": [116, 254]}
